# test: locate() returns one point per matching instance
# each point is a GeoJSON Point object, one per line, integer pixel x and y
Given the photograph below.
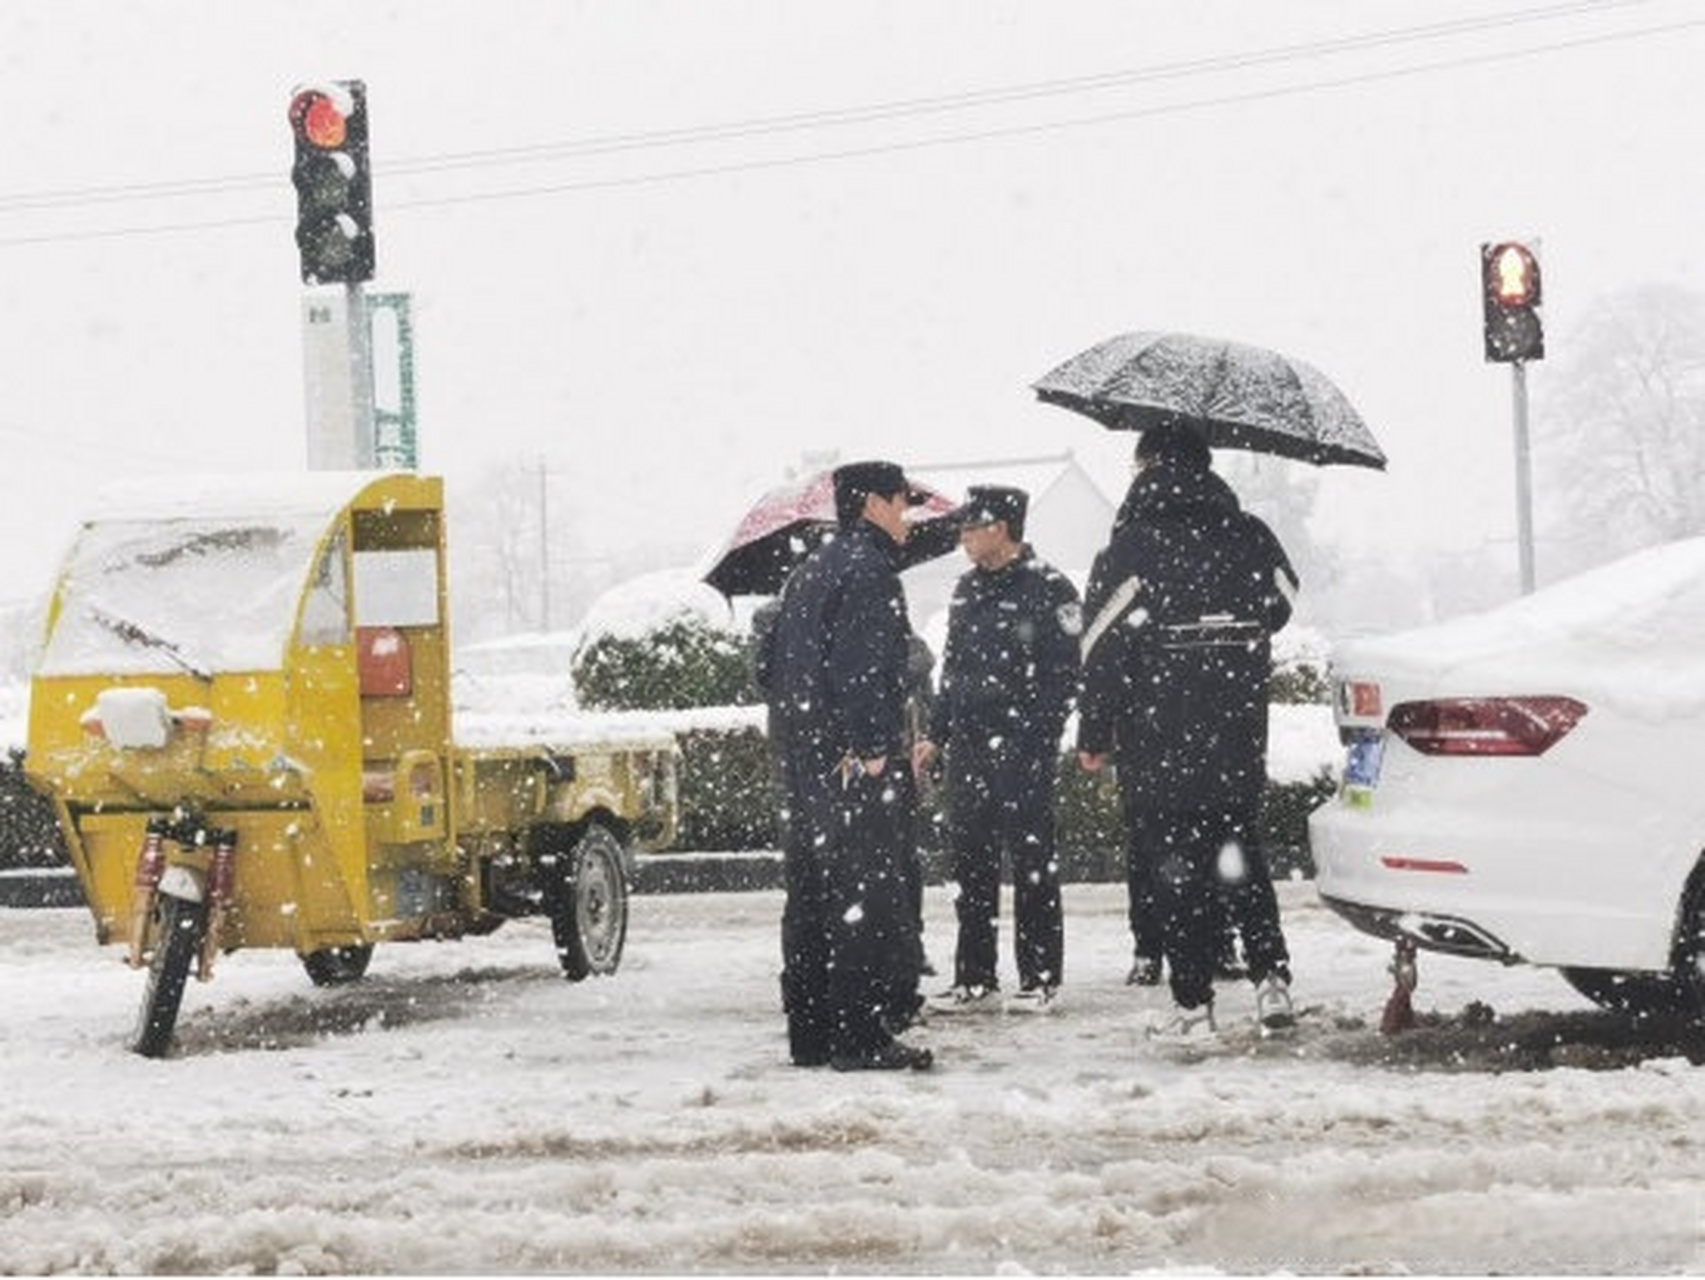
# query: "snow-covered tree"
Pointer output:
{"type": "Point", "coordinates": [1283, 493]}
{"type": "Point", "coordinates": [1619, 430]}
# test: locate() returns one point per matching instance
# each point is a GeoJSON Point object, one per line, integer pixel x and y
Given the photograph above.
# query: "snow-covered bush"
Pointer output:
{"type": "Point", "coordinates": [663, 642]}
{"type": "Point", "coordinates": [728, 798]}
{"type": "Point", "coordinates": [1299, 667]}
{"type": "Point", "coordinates": [29, 836]}
{"type": "Point", "coordinates": [683, 663]}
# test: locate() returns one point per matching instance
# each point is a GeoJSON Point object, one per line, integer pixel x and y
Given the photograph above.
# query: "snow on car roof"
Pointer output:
{"type": "Point", "coordinates": [1626, 635]}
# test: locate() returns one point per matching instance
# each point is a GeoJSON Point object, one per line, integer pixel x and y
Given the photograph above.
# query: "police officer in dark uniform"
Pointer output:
{"type": "Point", "coordinates": [1008, 676]}
{"type": "Point", "coordinates": [833, 668]}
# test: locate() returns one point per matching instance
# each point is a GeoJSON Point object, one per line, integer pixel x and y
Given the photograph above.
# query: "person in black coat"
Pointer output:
{"type": "Point", "coordinates": [1008, 677]}
{"type": "Point", "coordinates": [833, 668]}
{"type": "Point", "coordinates": [1179, 610]}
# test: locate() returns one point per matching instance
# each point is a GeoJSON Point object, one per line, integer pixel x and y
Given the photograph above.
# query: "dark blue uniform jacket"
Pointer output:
{"type": "Point", "coordinates": [834, 663]}
{"type": "Point", "coordinates": [1009, 672]}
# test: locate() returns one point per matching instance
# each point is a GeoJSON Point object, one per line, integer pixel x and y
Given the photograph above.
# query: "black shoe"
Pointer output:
{"type": "Point", "coordinates": [899, 1022]}
{"type": "Point", "coordinates": [892, 1056]}
{"type": "Point", "coordinates": [1145, 972]}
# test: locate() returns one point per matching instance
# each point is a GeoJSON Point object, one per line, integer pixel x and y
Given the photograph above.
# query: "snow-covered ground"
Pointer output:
{"type": "Point", "coordinates": [466, 1110]}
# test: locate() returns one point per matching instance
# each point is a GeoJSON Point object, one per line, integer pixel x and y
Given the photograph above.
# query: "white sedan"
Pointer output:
{"type": "Point", "coordinates": [1527, 785]}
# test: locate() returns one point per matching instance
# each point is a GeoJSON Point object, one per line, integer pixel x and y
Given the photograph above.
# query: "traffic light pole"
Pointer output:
{"type": "Point", "coordinates": [1524, 476]}
{"type": "Point", "coordinates": [332, 174]}
{"type": "Point", "coordinates": [1514, 334]}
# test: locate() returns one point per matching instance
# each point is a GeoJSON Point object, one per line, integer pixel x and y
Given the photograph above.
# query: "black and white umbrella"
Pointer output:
{"type": "Point", "coordinates": [1238, 396]}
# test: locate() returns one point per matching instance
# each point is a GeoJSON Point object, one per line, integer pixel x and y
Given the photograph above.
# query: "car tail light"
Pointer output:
{"type": "Point", "coordinates": [1528, 726]}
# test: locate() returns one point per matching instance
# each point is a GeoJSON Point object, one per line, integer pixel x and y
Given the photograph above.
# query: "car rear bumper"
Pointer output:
{"type": "Point", "coordinates": [1560, 891]}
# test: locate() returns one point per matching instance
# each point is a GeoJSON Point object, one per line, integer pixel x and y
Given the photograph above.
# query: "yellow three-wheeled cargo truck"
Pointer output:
{"type": "Point", "coordinates": [243, 718]}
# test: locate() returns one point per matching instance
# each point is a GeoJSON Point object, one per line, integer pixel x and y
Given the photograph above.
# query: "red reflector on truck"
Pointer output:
{"type": "Point", "coordinates": [1524, 726]}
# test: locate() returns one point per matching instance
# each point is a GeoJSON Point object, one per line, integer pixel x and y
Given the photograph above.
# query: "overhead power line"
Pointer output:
{"type": "Point", "coordinates": [922, 106]}
{"type": "Point", "coordinates": [1041, 127]}
{"type": "Point", "coordinates": [868, 113]}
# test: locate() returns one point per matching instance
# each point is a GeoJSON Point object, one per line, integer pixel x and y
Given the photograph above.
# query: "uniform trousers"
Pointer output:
{"type": "Point", "coordinates": [1143, 912]}
{"type": "Point", "coordinates": [1003, 803]}
{"type": "Point", "coordinates": [1205, 862]}
{"type": "Point", "coordinates": [849, 932]}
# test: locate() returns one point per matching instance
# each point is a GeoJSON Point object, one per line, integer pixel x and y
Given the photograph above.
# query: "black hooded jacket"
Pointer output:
{"type": "Point", "coordinates": [1178, 616]}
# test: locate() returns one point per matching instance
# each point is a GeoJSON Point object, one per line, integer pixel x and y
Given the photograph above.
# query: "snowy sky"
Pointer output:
{"type": "Point", "coordinates": [661, 248]}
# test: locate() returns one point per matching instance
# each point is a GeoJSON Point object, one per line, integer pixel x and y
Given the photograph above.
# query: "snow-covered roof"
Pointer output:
{"type": "Point", "coordinates": [1035, 475]}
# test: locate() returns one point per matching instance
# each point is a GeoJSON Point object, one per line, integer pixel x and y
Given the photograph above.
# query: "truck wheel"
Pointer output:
{"type": "Point", "coordinates": [182, 924]}
{"type": "Point", "coordinates": [589, 908]}
{"type": "Point", "coordinates": [337, 966]}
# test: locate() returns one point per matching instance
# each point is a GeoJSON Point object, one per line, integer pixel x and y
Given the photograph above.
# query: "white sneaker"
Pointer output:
{"type": "Point", "coordinates": [966, 999]}
{"type": "Point", "coordinates": [1038, 997]}
{"type": "Point", "coordinates": [1273, 1008]}
{"type": "Point", "coordinates": [1184, 1026]}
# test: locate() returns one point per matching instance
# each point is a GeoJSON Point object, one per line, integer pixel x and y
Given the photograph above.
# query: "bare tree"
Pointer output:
{"type": "Point", "coordinates": [1619, 439]}
{"type": "Point", "coordinates": [1284, 493]}
{"type": "Point", "coordinates": [494, 554]}
{"type": "Point", "coordinates": [525, 556]}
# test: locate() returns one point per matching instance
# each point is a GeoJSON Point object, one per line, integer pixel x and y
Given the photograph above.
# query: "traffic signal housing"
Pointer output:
{"type": "Point", "coordinates": [1510, 295]}
{"type": "Point", "coordinates": [334, 182]}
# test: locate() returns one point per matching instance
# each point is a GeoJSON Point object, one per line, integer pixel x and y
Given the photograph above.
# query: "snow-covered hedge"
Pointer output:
{"type": "Point", "coordinates": [29, 836]}
{"type": "Point", "coordinates": [728, 801]}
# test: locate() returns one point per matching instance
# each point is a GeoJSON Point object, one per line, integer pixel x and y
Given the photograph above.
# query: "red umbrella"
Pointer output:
{"type": "Point", "coordinates": [787, 523]}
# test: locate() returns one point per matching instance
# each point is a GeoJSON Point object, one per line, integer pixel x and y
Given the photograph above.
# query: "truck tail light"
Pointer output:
{"type": "Point", "coordinates": [1525, 726]}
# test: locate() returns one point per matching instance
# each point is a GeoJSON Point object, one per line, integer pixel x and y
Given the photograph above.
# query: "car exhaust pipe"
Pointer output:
{"type": "Point", "coordinates": [1449, 934]}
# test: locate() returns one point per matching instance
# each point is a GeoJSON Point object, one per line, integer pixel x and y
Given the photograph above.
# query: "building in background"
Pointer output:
{"type": "Point", "coordinates": [1070, 517]}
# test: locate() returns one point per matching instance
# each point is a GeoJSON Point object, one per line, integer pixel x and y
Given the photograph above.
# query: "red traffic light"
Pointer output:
{"type": "Point", "coordinates": [1509, 297]}
{"type": "Point", "coordinates": [319, 120]}
{"type": "Point", "coordinates": [332, 174]}
{"type": "Point", "coordinates": [1512, 275]}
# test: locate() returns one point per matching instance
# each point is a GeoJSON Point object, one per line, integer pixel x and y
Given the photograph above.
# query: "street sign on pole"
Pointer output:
{"type": "Point", "coordinates": [337, 380]}
{"type": "Point", "coordinates": [392, 351]}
